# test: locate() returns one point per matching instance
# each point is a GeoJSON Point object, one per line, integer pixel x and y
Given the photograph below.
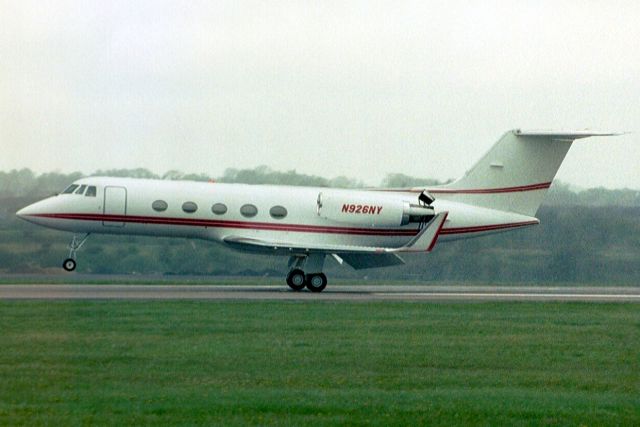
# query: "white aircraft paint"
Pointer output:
{"type": "Point", "coordinates": [364, 228]}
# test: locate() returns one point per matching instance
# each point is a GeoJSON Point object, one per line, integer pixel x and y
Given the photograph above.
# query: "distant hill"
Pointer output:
{"type": "Point", "coordinates": [25, 183]}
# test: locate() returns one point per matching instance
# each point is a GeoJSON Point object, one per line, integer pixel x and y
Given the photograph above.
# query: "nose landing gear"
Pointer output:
{"type": "Point", "coordinates": [69, 264]}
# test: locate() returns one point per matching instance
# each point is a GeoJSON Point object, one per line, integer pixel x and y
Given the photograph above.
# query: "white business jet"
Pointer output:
{"type": "Point", "coordinates": [363, 228]}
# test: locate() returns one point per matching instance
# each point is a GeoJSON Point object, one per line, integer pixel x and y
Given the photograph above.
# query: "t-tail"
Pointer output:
{"type": "Point", "coordinates": [516, 172]}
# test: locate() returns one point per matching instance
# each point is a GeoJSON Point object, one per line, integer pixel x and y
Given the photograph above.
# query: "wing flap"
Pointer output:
{"type": "Point", "coordinates": [363, 261]}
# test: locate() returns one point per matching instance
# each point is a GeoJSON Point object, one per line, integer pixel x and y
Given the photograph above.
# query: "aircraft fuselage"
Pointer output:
{"type": "Point", "coordinates": [214, 211]}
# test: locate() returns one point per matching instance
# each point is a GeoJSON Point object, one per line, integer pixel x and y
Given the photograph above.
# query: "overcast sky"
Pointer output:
{"type": "Point", "coordinates": [359, 89]}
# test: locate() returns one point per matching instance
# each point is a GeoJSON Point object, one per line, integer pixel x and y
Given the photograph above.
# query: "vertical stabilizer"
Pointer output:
{"type": "Point", "coordinates": [516, 172]}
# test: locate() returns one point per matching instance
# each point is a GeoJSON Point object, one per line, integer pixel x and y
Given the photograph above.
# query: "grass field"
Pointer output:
{"type": "Point", "coordinates": [173, 362]}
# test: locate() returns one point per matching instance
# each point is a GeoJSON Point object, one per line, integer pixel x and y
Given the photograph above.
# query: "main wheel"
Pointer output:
{"type": "Point", "coordinates": [316, 282]}
{"type": "Point", "coordinates": [295, 279]}
{"type": "Point", "coordinates": [69, 264]}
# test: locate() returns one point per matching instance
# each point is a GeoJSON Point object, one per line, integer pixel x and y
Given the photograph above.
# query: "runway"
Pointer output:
{"type": "Point", "coordinates": [332, 293]}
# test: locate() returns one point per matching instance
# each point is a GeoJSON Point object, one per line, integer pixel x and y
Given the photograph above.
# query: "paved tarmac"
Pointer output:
{"type": "Point", "coordinates": [331, 293]}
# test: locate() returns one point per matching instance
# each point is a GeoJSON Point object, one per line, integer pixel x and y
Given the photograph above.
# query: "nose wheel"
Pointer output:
{"type": "Point", "coordinates": [69, 264]}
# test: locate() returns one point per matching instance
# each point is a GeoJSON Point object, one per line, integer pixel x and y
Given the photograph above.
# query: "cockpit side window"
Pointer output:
{"type": "Point", "coordinates": [91, 191]}
{"type": "Point", "coordinates": [70, 189]}
{"type": "Point", "coordinates": [81, 189]}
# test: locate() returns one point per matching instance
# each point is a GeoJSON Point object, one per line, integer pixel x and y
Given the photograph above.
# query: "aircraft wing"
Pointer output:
{"type": "Point", "coordinates": [362, 261]}
{"type": "Point", "coordinates": [356, 256]}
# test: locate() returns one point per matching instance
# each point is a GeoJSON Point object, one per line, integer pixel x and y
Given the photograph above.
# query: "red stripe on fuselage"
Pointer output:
{"type": "Point", "coordinates": [481, 228]}
{"type": "Point", "coordinates": [275, 227]}
{"type": "Point", "coordinates": [532, 187]}
{"type": "Point", "coordinates": [231, 224]}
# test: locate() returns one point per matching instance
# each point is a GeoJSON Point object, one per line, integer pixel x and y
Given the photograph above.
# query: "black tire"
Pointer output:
{"type": "Point", "coordinates": [316, 282]}
{"type": "Point", "coordinates": [296, 279]}
{"type": "Point", "coordinates": [69, 264]}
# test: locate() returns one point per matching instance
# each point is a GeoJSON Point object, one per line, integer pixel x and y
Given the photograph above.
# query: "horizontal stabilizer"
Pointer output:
{"type": "Point", "coordinates": [570, 134]}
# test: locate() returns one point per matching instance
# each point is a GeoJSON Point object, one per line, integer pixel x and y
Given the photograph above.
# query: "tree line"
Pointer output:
{"type": "Point", "coordinates": [588, 236]}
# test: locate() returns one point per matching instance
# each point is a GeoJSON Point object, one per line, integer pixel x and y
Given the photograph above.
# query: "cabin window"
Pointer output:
{"type": "Point", "coordinates": [81, 189]}
{"type": "Point", "coordinates": [91, 191]}
{"type": "Point", "coordinates": [278, 212]}
{"type": "Point", "coordinates": [189, 207]}
{"type": "Point", "coordinates": [159, 206]}
{"type": "Point", "coordinates": [219, 209]}
{"type": "Point", "coordinates": [248, 210]}
{"type": "Point", "coordinates": [70, 189]}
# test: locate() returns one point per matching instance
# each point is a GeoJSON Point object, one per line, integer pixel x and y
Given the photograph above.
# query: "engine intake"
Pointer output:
{"type": "Point", "coordinates": [372, 209]}
{"type": "Point", "coordinates": [417, 213]}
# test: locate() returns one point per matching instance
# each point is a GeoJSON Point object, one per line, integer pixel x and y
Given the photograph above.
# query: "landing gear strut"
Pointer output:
{"type": "Point", "coordinates": [69, 264]}
{"type": "Point", "coordinates": [297, 279]}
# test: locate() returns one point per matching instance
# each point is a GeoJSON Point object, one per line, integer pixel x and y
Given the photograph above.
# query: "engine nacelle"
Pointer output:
{"type": "Point", "coordinates": [371, 209]}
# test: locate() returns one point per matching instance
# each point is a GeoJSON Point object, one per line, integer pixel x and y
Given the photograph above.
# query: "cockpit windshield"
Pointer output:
{"type": "Point", "coordinates": [91, 190]}
{"type": "Point", "coordinates": [70, 189]}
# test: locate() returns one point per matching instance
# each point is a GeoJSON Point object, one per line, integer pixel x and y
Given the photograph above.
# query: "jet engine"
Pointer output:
{"type": "Point", "coordinates": [374, 209]}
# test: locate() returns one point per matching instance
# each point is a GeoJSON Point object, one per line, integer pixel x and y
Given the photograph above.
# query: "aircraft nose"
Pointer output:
{"type": "Point", "coordinates": [22, 213]}
{"type": "Point", "coordinates": [27, 212]}
{"type": "Point", "coordinates": [39, 212]}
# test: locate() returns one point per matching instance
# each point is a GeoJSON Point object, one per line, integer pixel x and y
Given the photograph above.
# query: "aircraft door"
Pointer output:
{"type": "Point", "coordinates": [115, 203]}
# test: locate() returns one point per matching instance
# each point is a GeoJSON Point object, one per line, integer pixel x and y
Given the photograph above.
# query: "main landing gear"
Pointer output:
{"type": "Point", "coordinates": [69, 264]}
{"type": "Point", "coordinates": [297, 279]}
